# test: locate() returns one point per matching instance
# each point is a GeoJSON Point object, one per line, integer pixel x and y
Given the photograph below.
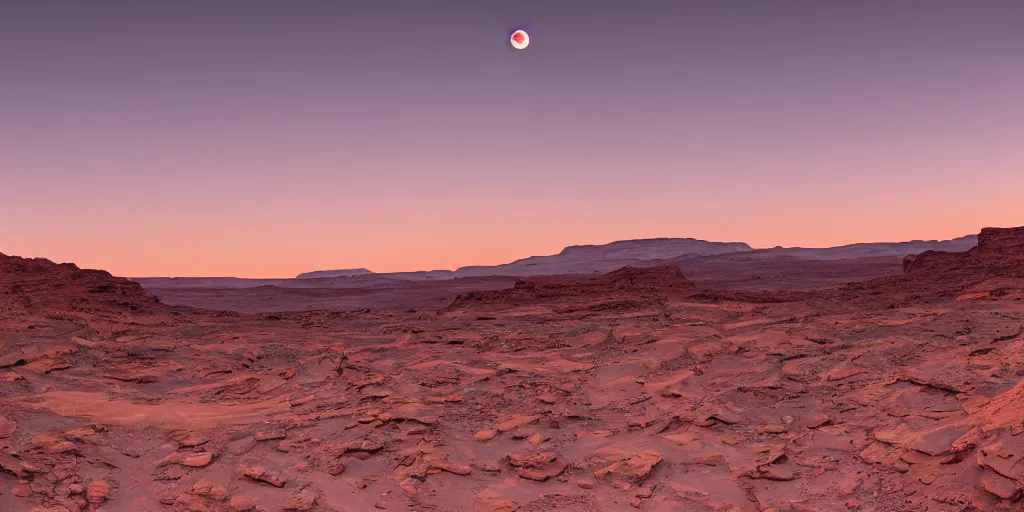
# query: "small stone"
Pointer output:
{"type": "Point", "coordinates": [644, 492]}
{"type": "Point", "coordinates": [485, 435]}
{"type": "Point", "coordinates": [242, 503]}
{"type": "Point", "coordinates": [198, 460]}
{"type": "Point", "coordinates": [772, 429]}
{"type": "Point", "coordinates": [515, 423]}
{"type": "Point", "coordinates": [21, 491]}
{"type": "Point", "coordinates": [927, 479]}
{"type": "Point", "coordinates": [586, 483]}
{"type": "Point", "coordinates": [270, 436]}
{"type": "Point", "coordinates": [451, 467]}
{"type": "Point", "coordinates": [335, 467]}
{"type": "Point", "coordinates": [409, 486]}
{"type": "Point", "coordinates": [636, 502]}
{"type": "Point", "coordinates": [74, 489]}
{"type": "Point", "coordinates": [97, 492]}
{"type": "Point", "coordinates": [262, 474]}
{"type": "Point", "coordinates": [242, 446]}
{"type": "Point", "coordinates": [301, 501]}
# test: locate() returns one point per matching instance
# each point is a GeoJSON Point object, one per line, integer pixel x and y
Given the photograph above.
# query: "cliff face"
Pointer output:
{"type": "Point", "coordinates": [1002, 241]}
{"type": "Point", "coordinates": [1000, 251]}
{"type": "Point", "coordinates": [33, 286]}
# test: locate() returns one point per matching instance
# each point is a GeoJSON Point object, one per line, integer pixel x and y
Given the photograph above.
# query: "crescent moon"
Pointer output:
{"type": "Point", "coordinates": [525, 39]}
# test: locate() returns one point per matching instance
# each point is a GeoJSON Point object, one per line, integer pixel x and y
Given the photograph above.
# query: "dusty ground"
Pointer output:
{"type": "Point", "coordinates": [633, 390]}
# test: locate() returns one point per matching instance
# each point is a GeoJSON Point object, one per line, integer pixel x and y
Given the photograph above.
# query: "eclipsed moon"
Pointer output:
{"type": "Point", "coordinates": [520, 39]}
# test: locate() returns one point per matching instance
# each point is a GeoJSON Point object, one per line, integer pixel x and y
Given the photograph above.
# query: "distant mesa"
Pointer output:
{"type": "Point", "coordinates": [591, 260]}
{"type": "Point", "coordinates": [345, 272]}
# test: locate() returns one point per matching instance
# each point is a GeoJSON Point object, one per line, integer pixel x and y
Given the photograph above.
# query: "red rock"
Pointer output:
{"type": "Point", "coordinates": [772, 429]}
{"type": "Point", "coordinates": [451, 467]}
{"type": "Point", "coordinates": [198, 460]}
{"type": "Point", "coordinates": [262, 474]}
{"type": "Point", "coordinates": [269, 436]}
{"type": "Point", "coordinates": [532, 460]}
{"type": "Point", "coordinates": [999, 485]}
{"type": "Point", "coordinates": [906, 359]}
{"type": "Point", "coordinates": [634, 469]}
{"type": "Point", "coordinates": [242, 503]}
{"type": "Point", "coordinates": [302, 500]}
{"type": "Point", "coordinates": [537, 439]}
{"type": "Point", "coordinates": [485, 435]}
{"type": "Point", "coordinates": [210, 490]}
{"type": "Point", "coordinates": [81, 434]}
{"type": "Point", "coordinates": [541, 474]}
{"type": "Point", "coordinates": [537, 466]}
{"type": "Point", "coordinates": [515, 422]}
{"type": "Point", "coordinates": [21, 491]}
{"type": "Point", "coordinates": [97, 492]}
{"type": "Point", "coordinates": [7, 427]}
{"type": "Point", "coordinates": [409, 486]}
{"type": "Point", "coordinates": [242, 446]}
{"type": "Point", "coordinates": [939, 440]}
{"type": "Point", "coordinates": [335, 467]}
{"type": "Point", "coordinates": [718, 414]}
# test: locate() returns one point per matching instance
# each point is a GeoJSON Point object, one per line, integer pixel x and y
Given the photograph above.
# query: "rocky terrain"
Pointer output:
{"type": "Point", "coordinates": [639, 389]}
{"type": "Point", "coordinates": [721, 265]}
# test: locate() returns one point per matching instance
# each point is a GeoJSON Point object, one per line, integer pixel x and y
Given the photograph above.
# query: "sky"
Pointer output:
{"type": "Point", "coordinates": [263, 139]}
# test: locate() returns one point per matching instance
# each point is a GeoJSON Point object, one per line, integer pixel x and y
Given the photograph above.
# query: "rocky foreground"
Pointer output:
{"type": "Point", "coordinates": [634, 390]}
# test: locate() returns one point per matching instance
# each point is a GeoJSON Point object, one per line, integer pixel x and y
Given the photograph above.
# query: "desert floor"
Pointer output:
{"type": "Point", "coordinates": [633, 390]}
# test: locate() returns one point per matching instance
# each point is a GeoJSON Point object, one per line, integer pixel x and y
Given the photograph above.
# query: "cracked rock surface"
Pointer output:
{"type": "Point", "coordinates": [632, 390]}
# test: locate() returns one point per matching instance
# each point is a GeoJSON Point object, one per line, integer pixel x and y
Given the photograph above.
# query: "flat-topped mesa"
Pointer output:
{"type": "Point", "coordinates": [998, 250]}
{"type": "Point", "coordinates": [1002, 241]}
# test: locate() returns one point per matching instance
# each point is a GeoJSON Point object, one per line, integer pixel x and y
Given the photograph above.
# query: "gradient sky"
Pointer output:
{"type": "Point", "coordinates": [263, 139]}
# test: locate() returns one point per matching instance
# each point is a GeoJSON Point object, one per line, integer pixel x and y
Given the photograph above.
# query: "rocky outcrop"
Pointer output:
{"type": "Point", "coordinates": [1001, 242]}
{"type": "Point", "coordinates": [628, 284]}
{"type": "Point", "coordinates": [38, 285]}
{"type": "Point", "coordinates": [1000, 251]}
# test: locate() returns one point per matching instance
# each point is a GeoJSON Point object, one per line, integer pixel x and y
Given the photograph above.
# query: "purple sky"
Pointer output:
{"type": "Point", "coordinates": [257, 138]}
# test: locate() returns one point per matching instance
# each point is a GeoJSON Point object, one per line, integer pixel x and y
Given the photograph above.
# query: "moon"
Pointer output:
{"type": "Point", "coordinates": [520, 39]}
